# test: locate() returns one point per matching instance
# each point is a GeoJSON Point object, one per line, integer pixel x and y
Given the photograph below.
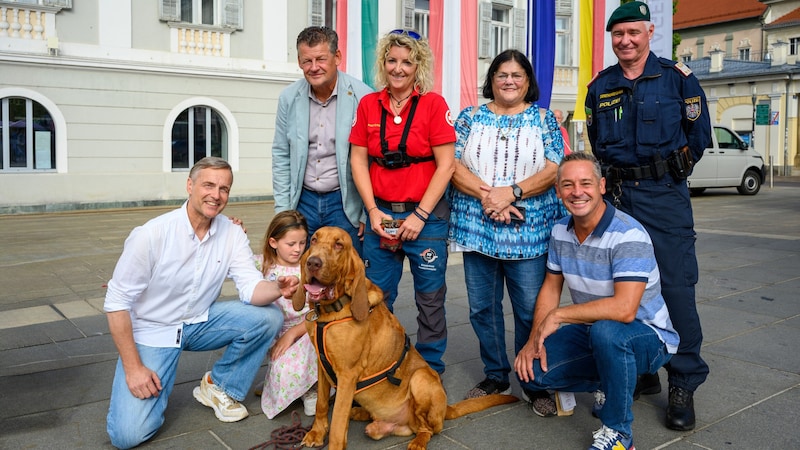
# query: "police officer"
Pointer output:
{"type": "Point", "coordinates": [648, 124]}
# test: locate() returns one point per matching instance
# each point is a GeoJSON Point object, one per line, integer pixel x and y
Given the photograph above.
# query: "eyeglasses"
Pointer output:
{"type": "Point", "coordinates": [515, 77]}
{"type": "Point", "coordinates": [412, 34]}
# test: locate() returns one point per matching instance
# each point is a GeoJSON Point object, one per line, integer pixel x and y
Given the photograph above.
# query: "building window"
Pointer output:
{"type": "Point", "coordinates": [500, 27]}
{"type": "Point", "coordinates": [27, 134]}
{"type": "Point", "coordinates": [686, 58]}
{"type": "Point", "coordinates": [198, 11]}
{"type": "Point", "coordinates": [422, 17]}
{"type": "Point", "coordinates": [501, 30]}
{"type": "Point", "coordinates": [219, 13]}
{"type": "Point", "coordinates": [563, 43]}
{"type": "Point", "coordinates": [794, 46]}
{"type": "Point", "coordinates": [198, 132]}
{"type": "Point", "coordinates": [322, 13]}
{"type": "Point", "coordinates": [744, 54]}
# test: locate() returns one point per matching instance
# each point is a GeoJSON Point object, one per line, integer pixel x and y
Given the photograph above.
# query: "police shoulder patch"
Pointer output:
{"type": "Point", "coordinates": [694, 107]}
{"type": "Point", "coordinates": [683, 68]}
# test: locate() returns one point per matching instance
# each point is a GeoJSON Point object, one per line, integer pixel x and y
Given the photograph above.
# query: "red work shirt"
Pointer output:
{"type": "Point", "coordinates": [431, 126]}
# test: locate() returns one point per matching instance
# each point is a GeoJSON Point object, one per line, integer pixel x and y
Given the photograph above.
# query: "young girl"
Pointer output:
{"type": "Point", "coordinates": [292, 367]}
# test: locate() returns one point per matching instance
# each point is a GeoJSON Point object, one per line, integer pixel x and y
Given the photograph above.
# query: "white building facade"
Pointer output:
{"type": "Point", "coordinates": [108, 103]}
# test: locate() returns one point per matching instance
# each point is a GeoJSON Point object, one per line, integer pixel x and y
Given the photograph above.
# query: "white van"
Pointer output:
{"type": "Point", "coordinates": [728, 162]}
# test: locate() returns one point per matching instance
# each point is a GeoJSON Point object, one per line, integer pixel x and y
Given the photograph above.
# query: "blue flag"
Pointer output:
{"type": "Point", "coordinates": [542, 46]}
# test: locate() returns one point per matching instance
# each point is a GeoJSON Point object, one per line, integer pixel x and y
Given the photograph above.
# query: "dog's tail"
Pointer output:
{"type": "Point", "coordinates": [472, 405]}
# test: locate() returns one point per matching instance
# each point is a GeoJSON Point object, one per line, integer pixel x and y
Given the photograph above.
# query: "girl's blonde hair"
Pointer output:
{"type": "Point", "coordinates": [420, 54]}
{"type": "Point", "coordinates": [282, 223]}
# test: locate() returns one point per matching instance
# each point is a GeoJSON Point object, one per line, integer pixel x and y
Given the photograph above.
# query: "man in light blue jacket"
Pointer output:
{"type": "Point", "coordinates": [311, 149]}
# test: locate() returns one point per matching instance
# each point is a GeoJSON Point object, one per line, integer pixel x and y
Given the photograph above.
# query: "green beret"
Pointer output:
{"type": "Point", "coordinates": [629, 12]}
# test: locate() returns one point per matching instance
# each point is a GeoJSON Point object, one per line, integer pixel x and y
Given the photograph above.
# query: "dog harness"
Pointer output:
{"type": "Point", "coordinates": [366, 382]}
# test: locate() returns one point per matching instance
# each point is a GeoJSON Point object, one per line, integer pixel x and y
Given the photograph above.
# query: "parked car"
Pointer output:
{"type": "Point", "coordinates": [728, 162]}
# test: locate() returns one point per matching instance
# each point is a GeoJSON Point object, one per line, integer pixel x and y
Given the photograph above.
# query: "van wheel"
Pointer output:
{"type": "Point", "coordinates": [696, 191]}
{"type": "Point", "coordinates": [751, 183]}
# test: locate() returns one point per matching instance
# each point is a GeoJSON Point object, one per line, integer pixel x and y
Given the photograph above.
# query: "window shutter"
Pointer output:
{"type": "Point", "coordinates": [169, 11]}
{"type": "Point", "coordinates": [484, 30]}
{"type": "Point", "coordinates": [520, 37]}
{"type": "Point", "coordinates": [233, 16]}
{"type": "Point", "coordinates": [408, 14]}
{"type": "Point", "coordinates": [317, 13]}
{"type": "Point", "coordinates": [59, 3]}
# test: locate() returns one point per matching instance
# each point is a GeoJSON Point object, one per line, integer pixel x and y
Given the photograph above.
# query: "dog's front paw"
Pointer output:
{"type": "Point", "coordinates": [314, 438]}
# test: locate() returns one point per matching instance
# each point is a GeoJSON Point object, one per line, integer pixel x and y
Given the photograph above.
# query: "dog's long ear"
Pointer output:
{"type": "Point", "coordinates": [357, 287]}
{"type": "Point", "coordinates": [299, 297]}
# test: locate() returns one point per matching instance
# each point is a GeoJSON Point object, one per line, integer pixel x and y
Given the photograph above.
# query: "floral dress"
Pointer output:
{"type": "Point", "coordinates": [294, 372]}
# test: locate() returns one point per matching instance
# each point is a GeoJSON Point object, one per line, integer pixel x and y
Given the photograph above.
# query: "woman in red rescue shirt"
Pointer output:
{"type": "Point", "coordinates": [402, 159]}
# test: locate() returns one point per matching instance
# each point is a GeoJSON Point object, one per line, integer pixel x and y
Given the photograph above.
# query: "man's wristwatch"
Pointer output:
{"type": "Point", "coordinates": [517, 192]}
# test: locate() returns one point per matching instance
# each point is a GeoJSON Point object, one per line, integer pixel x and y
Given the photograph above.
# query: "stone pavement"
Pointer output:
{"type": "Point", "coordinates": [57, 358]}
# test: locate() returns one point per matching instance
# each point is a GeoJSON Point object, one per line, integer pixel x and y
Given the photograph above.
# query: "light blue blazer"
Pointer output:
{"type": "Point", "coordinates": [290, 144]}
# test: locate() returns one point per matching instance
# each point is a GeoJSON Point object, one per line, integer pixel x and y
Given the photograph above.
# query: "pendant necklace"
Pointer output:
{"type": "Point", "coordinates": [397, 119]}
{"type": "Point", "coordinates": [504, 131]}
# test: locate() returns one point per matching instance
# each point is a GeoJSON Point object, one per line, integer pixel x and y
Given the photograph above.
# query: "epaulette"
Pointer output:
{"type": "Point", "coordinates": [679, 66]}
{"type": "Point", "coordinates": [592, 80]}
{"type": "Point", "coordinates": [597, 75]}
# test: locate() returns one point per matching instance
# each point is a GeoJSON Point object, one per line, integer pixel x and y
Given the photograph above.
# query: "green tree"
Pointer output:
{"type": "Point", "coordinates": [676, 37]}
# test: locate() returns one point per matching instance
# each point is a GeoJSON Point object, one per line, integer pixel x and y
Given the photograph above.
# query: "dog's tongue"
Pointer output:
{"type": "Point", "coordinates": [314, 288]}
{"type": "Point", "coordinates": [315, 291]}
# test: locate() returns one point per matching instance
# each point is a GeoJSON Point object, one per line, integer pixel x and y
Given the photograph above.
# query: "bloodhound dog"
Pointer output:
{"type": "Point", "coordinates": [364, 353]}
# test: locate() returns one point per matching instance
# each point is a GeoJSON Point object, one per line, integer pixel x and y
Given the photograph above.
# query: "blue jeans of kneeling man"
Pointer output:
{"type": "Point", "coordinates": [248, 331]}
{"type": "Point", "coordinates": [606, 355]}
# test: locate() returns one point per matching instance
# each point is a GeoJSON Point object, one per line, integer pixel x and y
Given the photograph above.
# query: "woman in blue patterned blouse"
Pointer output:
{"type": "Point", "coordinates": [503, 207]}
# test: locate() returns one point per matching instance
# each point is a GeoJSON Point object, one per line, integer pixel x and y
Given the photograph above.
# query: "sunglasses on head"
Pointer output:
{"type": "Point", "coordinates": [412, 34]}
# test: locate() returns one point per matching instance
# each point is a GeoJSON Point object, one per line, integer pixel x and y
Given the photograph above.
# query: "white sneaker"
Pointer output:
{"type": "Point", "coordinates": [225, 408]}
{"type": "Point", "coordinates": [310, 402]}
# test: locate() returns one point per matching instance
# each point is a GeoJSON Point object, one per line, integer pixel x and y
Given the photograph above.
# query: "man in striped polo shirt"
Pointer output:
{"type": "Point", "coordinates": [618, 326]}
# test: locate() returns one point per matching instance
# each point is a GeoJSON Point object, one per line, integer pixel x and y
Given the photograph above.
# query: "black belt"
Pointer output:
{"type": "Point", "coordinates": [396, 207]}
{"type": "Point", "coordinates": [637, 173]}
{"type": "Point", "coordinates": [320, 192]}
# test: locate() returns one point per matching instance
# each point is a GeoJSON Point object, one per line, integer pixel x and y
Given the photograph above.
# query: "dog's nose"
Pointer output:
{"type": "Point", "coordinates": [313, 263]}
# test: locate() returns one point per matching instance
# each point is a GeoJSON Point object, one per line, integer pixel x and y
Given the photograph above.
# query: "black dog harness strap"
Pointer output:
{"type": "Point", "coordinates": [364, 383]}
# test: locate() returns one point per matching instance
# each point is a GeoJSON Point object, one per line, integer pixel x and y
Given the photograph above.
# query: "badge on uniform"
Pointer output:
{"type": "Point", "coordinates": [683, 68]}
{"type": "Point", "coordinates": [588, 112]}
{"type": "Point", "coordinates": [694, 108]}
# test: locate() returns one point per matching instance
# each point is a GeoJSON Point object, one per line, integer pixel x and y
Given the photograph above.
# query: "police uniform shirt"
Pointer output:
{"type": "Point", "coordinates": [630, 121]}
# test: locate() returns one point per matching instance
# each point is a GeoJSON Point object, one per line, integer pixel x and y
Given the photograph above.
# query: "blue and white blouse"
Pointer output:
{"type": "Point", "coordinates": [502, 150]}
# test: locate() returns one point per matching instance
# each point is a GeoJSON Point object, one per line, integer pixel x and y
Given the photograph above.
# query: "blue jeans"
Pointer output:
{"type": "Point", "coordinates": [484, 277]}
{"type": "Point", "coordinates": [326, 210]}
{"type": "Point", "coordinates": [606, 355]}
{"type": "Point", "coordinates": [427, 257]}
{"type": "Point", "coordinates": [246, 330]}
{"type": "Point", "coordinates": [665, 210]}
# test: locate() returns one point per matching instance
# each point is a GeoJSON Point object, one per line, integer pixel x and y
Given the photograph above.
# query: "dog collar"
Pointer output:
{"type": "Point", "coordinates": [336, 306]}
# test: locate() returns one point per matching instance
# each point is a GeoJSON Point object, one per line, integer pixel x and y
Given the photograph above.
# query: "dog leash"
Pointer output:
{"type": "Point", "coordinates": [287, 437]}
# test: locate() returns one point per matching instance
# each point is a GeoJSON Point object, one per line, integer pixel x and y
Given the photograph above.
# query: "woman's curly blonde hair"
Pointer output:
{"type": "Point", "coordinates": [420, 54]}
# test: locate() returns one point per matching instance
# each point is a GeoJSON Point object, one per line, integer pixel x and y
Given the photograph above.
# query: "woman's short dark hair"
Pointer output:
{"type": "Point", "coordinates": [511, 55]}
